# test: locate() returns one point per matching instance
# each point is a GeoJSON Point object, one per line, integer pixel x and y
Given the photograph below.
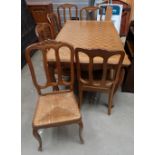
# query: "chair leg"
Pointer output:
{"type": "Point", "coordinates": [110, 102]}
{"type": "Point", "coordinates": [120, 81]}
{"type": "Point", "coordinates": [37, 136]}
{"type": "Point", "coordinates": [92, 97]}
{"type": "Point", "coordinates": [80, 132]}
{"type": "Point", "coordinates": [80, 97]}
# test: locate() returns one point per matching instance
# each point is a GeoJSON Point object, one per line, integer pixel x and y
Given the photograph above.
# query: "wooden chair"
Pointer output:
{"type": "Point", "coordinates": [54, 22]}
{"type": "Point", "coordinates": [108, 14]}
{"type": "Point", "coordinates": [43, 31]}
{"type": "Point", "coordinates": [104, 82]}
{"type": "Point", "coordinates": [66, 7]}
{"type": "Point", "coordinates": [39, 12]}
{"type": "Point", "coordinates": [55, 108]}
{"type": "Point", "coordinates": [90, 13]}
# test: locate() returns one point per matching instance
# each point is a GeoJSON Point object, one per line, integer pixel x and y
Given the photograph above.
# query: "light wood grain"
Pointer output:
{"type": "Point", "coordinates": [91, 35]}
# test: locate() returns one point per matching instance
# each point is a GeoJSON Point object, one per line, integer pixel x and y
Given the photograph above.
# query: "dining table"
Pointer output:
{"type": "Point", "coordinates": [91, 35]}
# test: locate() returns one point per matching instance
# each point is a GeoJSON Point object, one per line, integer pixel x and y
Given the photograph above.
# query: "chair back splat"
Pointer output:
{"type": "Point", "coordinates": [57, 66]}
{"type": "Point", "coordinates": [54, 23]}
{"type": "Point", "coordinates": [70, 8]}
{"type": "Point", "coordinates": [108, 13]}
{"type": "Point", "coordinates": [90, 13]}
{"type": "Point", "coordinates": [105, 56]}
{"type": "Point", "coordinates": [43, 31]}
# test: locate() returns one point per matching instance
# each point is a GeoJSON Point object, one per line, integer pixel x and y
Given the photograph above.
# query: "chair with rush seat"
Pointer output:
{"type": "Point", "coordinates": [43, 31]}
{"type": "Point", "coordinates": [57, 107]}
{"type": "Point", "coordinates": [54, 22]}
{"type": "Point", "coordinates": [103, 83]}
{"type": "Point", "coordinates": [89, 13]}
{"type": "Point", "coordinates": [63, 8]}
{"type": "Point", "coordinates": [108, 14]}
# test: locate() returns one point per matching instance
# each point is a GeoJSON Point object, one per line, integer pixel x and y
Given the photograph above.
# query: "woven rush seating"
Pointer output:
{"type": "Point", "coordinates": [63, 109]}
{"type": "Point", "coordinates": [58, 107]}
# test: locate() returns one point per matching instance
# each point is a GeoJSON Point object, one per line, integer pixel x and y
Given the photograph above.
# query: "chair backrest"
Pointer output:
{"type": "Point", "coordinates": [39, 12]}
{"type": "Point", "coordinates": [70, 8]}
{"type": "Point", "coordinates": [43, 31]}
{"type": "Point", "coordinates": [108, 14]}
{"type": "Point", "coordinates": [111, 12]}
{"type": "Point", "coordinates": [57, 66]}
{"type": "Point", "coordinates": [89, 12]}
{"type": "Point", "coordinates": [54, 22]}
{"type": "Point", "coordinates": [104, 55]}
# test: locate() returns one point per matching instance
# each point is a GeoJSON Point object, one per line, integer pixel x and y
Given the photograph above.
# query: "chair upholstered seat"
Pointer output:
{"type": "Point", "coordinates": [56, 109]}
